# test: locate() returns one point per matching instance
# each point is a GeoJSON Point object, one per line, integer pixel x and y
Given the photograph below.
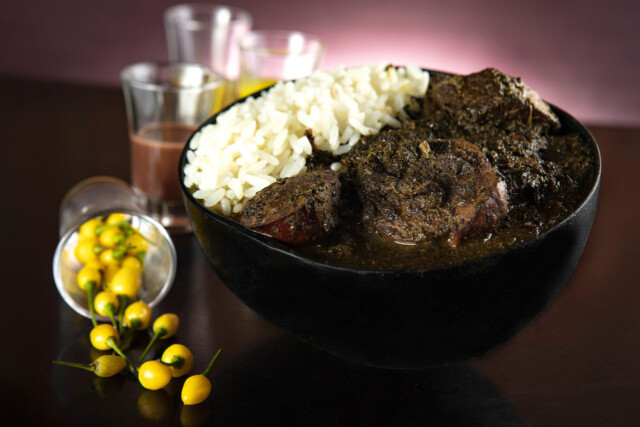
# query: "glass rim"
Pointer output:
{"type": "Point", "coordinates": [127, 76]}
{"type": "Point", "coordinates": [312, 44]}
{"type": "Point", "coordinates": [173, 15]}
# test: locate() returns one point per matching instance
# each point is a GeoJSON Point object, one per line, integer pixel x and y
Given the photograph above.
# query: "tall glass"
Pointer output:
{"type": "Point", "coordinates": [166, 102]}
{"type": "Point", "coordinates": [270, 55]}
{"type": "Point", "coordinates": [208, 34]}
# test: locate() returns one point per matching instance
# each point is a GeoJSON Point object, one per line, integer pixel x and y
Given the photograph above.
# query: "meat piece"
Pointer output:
{"type": "Point", "coordinates": [415, 189]}
{"type": "Point", "coordinates": [490, 96]}
{"type": "Point", "coordinates": [300, 210]}
{"type": "Point", "coordinates": [507, 120]}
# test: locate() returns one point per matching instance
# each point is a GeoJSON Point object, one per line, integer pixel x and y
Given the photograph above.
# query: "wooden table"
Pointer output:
{"type": "Point", "coordinates": [577, 364]}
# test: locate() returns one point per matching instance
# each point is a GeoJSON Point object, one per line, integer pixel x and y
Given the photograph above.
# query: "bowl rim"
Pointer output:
{"type": "Point", "coordinates": [84, 311]}
{"type": "Point", "coordinates": [290, 251]}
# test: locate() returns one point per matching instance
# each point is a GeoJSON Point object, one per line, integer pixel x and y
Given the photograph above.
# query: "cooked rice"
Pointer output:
{"type": "Point", "coordinates": [261, 139]}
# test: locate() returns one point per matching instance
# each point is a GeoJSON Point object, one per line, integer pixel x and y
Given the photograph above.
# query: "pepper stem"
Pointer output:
{"type": "Point", "coordinates": [120, 251]}
{"type": "Point", "coordinates": [207, 371]}
{"type": "Point", "coordinates": [111, 343]}
{"type": "Point", "coordinates": [123, 302]}
{"type": "Point", "coordinates": [110, 309]}
{"type": "Point", "coordinates": [89, 287]}
{"type": "Point", "coordinates": [89, 367]}
{"type": "Point", "coordinates": [135, 324]}
{"type": "Point", "coordinates": [101, 228]}
{"type": "Point", "coordinates": [129, 228]}
{"type": "Point", "coordinates": [159, 333]}
{"type": "Point", "coordinates": [176, 362]}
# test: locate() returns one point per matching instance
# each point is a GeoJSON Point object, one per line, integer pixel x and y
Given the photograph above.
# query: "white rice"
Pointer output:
{"type": "Point", "coordinates": [261, 139]}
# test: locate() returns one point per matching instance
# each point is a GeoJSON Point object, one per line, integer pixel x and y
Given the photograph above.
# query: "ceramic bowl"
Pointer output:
{"type": "Point", "coordinates": [398, 318]}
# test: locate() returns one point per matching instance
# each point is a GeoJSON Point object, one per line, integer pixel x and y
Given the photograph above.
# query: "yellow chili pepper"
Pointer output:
{"type": "Point", "coordinates": [197, 388]}
{"type": "Point", "coordinates": [136, 243]}
{"type": "Point", "coordinates": [153, 375]}
{"type": "Point", "coordinates": [133, 262]}
{"type": "Point", "coordinates": [106, 304]}
{"type": "Point", "coordinates": [88, 229]}
{"type": "Point", "coordinates": [85, 250]}
{"type": "Point", "coordinates": [179, 358]}
{"type": "Point", "coordinates": [116, 218]}
{"type": "Point", "coordinates": [137, 316]}
{"type": "Point", "coordinates": [126, 285]}
{"type": "Point", "coordinates": [126, 281]}
{"type": "Point", "coordinates": [105, 337]}
{"type": "Point", "coordinates": [101, 333]}
{"type": "Point", "coordinates": [96, 264]}
{"type": "Point", "coordinates": [108, 256]}
{"type": "Point", "coordinates": [111, 237]}
{"type": "Point", "coordinates": [104, 366]}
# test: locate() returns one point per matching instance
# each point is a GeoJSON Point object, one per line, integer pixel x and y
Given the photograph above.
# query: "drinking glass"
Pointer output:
{"type": "Point", "coordinates": [208, 34]}
{"type": "Point", "coordinates": [268, 56]}
{"type": "Point", "coordinates": [100, 196]}
{"type": "Point", "coordinates": [165, 102]}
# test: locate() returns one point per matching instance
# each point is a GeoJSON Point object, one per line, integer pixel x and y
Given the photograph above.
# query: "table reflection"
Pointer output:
{"type": "Point", "coordinates": [283, 381]}
{"type": "Point", "coordinates": [286, 382]}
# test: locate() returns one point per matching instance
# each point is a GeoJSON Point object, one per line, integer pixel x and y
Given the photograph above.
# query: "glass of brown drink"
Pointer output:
{"type": "Point", "coordinates": [165, 101]}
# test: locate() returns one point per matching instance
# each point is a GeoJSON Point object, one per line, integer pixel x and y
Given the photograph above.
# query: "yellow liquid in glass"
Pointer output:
{"type": "Point", "coordinates": [247, 86]}
{"type": "Point", "coordinates": [219, 98]}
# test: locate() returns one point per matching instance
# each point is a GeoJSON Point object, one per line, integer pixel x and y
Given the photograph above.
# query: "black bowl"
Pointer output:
{"type": "Point", "coordinates": [399, 318]}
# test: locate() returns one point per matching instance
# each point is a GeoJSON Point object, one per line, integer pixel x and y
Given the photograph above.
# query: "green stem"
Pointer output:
{"type": "Point", "coordinates": [120, 251]}
{"type": "Point", "coordinates": [135, 324]}
{"type": "Point", "coordinates": [123, 302]}
{"type": "Point", "coordinates": [159, 333]}
{"type": "Point", "coordinates": [125, 343]}
{"type": "Point", "coordinates": [207, 371]}
{"type": "Point", "coordinates": [101, 228]}
{"type": "Point", "coordinates": [89, 367]}
{"type": "Point", "coordinates": [128, 227]}
{"type": "Point", "coordinates": [111, 342]}
{"type": "Point", "coordinates": [176, 362]}
{"type": "Point", "coordinates": [90, 286]}
{"type": "Point", "coordinates": [110, 309]}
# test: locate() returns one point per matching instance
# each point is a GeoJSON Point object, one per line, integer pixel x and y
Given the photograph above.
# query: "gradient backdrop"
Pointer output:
{"type": "Point", "coordinates": [583, 56]}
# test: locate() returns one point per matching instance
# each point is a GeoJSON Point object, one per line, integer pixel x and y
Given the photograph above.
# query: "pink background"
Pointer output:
{"type": "Point", "coordinates": [583, 56]}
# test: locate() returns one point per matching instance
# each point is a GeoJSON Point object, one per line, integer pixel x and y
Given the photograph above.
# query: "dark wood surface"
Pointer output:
{"type": "Point", "coordinates": [577, 364]}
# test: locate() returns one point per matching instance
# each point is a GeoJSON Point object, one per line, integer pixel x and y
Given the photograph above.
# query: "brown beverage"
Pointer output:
{"type": "Point", "coordinates": [155, 154]}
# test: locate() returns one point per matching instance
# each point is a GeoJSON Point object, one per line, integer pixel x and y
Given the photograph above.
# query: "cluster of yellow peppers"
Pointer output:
{"type": "Point", "coordinates": [112, 253]}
